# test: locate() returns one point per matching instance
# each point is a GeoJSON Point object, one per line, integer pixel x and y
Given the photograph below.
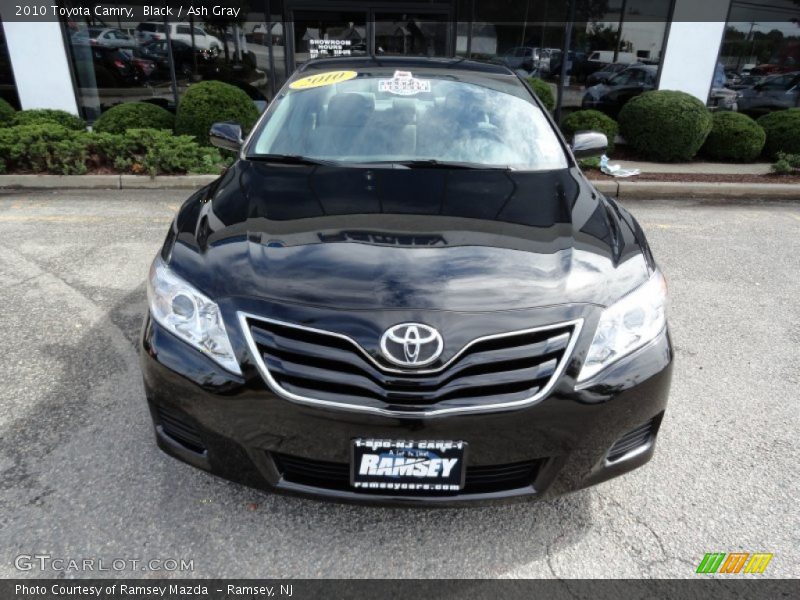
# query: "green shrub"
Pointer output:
{"type": "Point", "coordinates": [665, 125]}
{"type": "Point", "coordinates": [48, 115]}
{"type": "Point", "coordinates": [6, 113]}
{"type": "Point", "coordinates": [543, 91]}
{"type": "Point", "coordinates": [209, 102]}
{"type": "Point", "coordinates": [783, 132]}
{"type": "Point", "coordinates": [786, 163]}
{"type": "Point", "coordinates": [134, 115]}
{"type": "Point", "coordinates": [43, 148]}
{"type": "Point", "coordinates": [591, 120]}
{"type": "Point", "coordinates": [734, 137]}
{"type": "Point", "coordinates": [156, 151]}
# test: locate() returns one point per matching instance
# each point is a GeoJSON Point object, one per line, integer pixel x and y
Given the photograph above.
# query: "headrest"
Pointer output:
{"type": "Point", "coordinates": [404, 110]}
{"type": "Point", "coordinates": [349, 109]}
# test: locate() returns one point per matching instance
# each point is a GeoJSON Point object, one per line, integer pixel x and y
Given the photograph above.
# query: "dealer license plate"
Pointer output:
{"type": "Point", "coordinates": [414, 466]}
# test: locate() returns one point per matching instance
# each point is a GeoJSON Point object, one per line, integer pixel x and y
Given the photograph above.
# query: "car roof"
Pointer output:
{"type": "Point", "coordinates": [651, 68]}
{"type": "Point", "coordinates": [408, 62]}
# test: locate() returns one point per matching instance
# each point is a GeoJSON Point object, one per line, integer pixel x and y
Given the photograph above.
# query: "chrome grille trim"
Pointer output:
{"type": "Point", "coordinates": [433, 411]}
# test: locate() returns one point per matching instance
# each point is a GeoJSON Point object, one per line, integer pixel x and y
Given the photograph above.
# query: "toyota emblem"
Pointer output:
{"type": "Point", "coordinates": [411, 344]}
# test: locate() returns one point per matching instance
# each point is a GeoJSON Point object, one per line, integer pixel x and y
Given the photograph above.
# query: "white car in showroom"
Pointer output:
{"type": "Point", "coordinates": [152, 30]}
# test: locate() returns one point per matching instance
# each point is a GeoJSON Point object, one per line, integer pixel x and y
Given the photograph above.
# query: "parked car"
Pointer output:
{"type": "Point", "coordinates": [604, 57]}
{"type": "Point", "coordinates": [523, 57]}
{"type": "Point", "coordinates": [157, 51]}
{"type": "Point", "coordinates": [109, 38]}
{"type": "Point", "coordinates": [118, 67]}
{"type": "Point", "coordinates": [773, 93]}
{"type": "Point", "coordinates": [723, 99]}
{"type": "Point", "coordinates": [605, 73]}
{"type": "Point", "coordinates": [746, 81]}
{"type": "Point", "coordinates": [576, 64]}
{"type": "Point", "coordinates": [387, 298]}
{"type": "Point", "coordinates": [179, 32]}
{"type": "Point", "coordinates": [610, 97]}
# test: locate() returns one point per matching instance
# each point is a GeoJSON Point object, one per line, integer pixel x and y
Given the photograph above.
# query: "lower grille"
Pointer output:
{"type": "Point", "coordinates": [336, 476]}
{"type": "Point", "coordinates": [173, 425]}
{"type": "Point", "coordinates": [633, 440]}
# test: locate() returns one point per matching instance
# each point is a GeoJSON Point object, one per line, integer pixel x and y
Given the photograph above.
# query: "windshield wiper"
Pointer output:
{"type": "Point", "coordinates": [290, 159]}
{"type": "Point", "coordinates": [432, 163]}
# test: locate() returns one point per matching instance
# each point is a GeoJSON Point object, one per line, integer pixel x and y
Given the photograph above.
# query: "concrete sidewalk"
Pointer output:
{"type": "Point", "coordinates": [696, 168]}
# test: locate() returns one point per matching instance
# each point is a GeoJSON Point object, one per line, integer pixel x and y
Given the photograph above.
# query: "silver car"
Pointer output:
{"type": "Point", "coordinates": [773, 93]}
{"type": "Point", "coordinates": [110, 38]}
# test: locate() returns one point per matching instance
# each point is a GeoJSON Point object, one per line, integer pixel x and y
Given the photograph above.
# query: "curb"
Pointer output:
{"type": "Point", "coordinates": [105, 182]}
{"type": "Point", "coordinates": [692, 189]}
{"type": "Point", "coordinates": [618, 188]}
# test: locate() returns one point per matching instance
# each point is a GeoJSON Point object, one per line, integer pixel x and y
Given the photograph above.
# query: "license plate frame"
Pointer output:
{"type": "Point", "coordinates": [414, 467]}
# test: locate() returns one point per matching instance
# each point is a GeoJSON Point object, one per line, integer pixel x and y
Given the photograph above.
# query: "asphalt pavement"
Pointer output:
{"type": "Point", "coordinates": [81, 477]}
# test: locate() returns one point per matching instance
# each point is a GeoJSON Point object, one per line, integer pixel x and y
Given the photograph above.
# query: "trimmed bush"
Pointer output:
{"type": "Point", "coordinates": [734, 137]}
{"type": "Point", "coordinates": [209, 102]}
{"type": "Point", "coordinates": [7, 113]}
{"type": "Point", "coordinates": [542, 90]}
{"type": "Point", "coordinates": [783, 132]}
{"type": "Point", "coordinates": [591, 120]}
{"type": "Point", "coordinates": [40, 116]}
{"type": "Point", "coordinates": [665, 125]}
{"type": "Point", "coordinates": [134, 115]}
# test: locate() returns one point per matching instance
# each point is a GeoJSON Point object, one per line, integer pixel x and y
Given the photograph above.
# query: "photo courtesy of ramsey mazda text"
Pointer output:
{"type": "Point", "coordinates": [405, 291]}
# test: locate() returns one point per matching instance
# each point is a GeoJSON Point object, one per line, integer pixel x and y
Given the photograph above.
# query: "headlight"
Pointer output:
{"type": "Point", "coordinates": [627, 325]}
{"type": "Point", "coordinates": [189, 314]}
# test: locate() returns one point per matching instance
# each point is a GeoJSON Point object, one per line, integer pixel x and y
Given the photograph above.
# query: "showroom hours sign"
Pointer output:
{"type": "Point", "coordinates": [319, 47]}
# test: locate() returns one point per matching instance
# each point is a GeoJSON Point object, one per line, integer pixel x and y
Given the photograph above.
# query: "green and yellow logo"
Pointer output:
{"type": "Point", "coordinates": [735, 562]}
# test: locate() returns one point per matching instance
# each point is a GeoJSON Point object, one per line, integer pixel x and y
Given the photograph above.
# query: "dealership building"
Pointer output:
{"type": "Point", "coordinates": [85, 60]}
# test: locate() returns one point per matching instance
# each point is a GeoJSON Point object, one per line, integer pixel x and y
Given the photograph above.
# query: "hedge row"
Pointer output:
{"type": "Point", "coordinates": [670, 126]}
{"type": "Point", "coordinates": [49, 147]}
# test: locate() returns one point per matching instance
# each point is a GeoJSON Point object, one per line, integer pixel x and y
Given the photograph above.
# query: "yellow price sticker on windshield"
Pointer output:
{"type": "Point", "coordinates": [321, 79]}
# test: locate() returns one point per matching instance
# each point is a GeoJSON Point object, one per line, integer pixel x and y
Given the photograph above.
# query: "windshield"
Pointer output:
{"type": "Point", "coordinates": [400, 117]}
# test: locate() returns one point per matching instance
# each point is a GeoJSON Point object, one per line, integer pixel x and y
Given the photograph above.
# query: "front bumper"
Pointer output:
{"type": "Point", "coordinates": [236, 428]}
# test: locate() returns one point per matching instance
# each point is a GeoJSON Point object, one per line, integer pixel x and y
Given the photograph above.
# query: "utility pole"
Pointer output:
{"type": "Point", "coordinates": [565, 59]}
{"type": "Point", "coordinates": [619, 29]}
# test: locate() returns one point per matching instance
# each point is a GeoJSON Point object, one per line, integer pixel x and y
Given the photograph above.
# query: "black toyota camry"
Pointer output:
{"type": "Point", "coordinates": [404, 290]}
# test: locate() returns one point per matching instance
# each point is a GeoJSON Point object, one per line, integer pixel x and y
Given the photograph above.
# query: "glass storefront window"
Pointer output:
{"type": "Point", "coordinates": [122, 61]}
{"type": "Point", "coordinates": [411, 34]}
{"type": "Point", "coordinates": [319, 34]}
{"type": "Point", "coordinates": [760, 57]}
{"type": "Point", "coordinates": [8, 88]}
{"type": "Point", "coordinates": [607, 39]}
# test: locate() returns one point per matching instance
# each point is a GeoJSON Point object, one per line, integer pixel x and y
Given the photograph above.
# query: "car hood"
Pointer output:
{"type": "Point", "coordinates": [378, 238]}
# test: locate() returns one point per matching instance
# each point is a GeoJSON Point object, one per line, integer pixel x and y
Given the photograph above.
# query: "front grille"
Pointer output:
{"type": "Point", "coordinates": [324, 366]}
{"type": "Point", "coordinates": [632, 440]}
{"type": "Point", "coordinates": [336, 476]}
{"type": "Point", "coordinates": [176, 427]}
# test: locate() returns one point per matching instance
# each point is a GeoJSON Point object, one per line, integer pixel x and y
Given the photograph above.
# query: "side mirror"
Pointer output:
{"type": "Point", "coordinates": [589, 143]}
{"type": "Point", "coordinates": [226, 136]}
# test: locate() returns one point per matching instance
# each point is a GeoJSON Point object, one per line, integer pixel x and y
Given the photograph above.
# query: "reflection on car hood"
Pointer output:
{"type": "Point", "coordinates": [467, 240]}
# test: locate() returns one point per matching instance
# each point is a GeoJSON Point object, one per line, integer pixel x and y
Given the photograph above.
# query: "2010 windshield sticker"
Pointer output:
{"type": "Point", "coordinates": [320, 79]}
{"type": "Point", "coordinates": [403, 83]}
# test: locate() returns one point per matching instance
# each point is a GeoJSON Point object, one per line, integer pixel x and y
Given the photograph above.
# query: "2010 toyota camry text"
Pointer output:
{"type": "Point", "coordinates": [405, 291]}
